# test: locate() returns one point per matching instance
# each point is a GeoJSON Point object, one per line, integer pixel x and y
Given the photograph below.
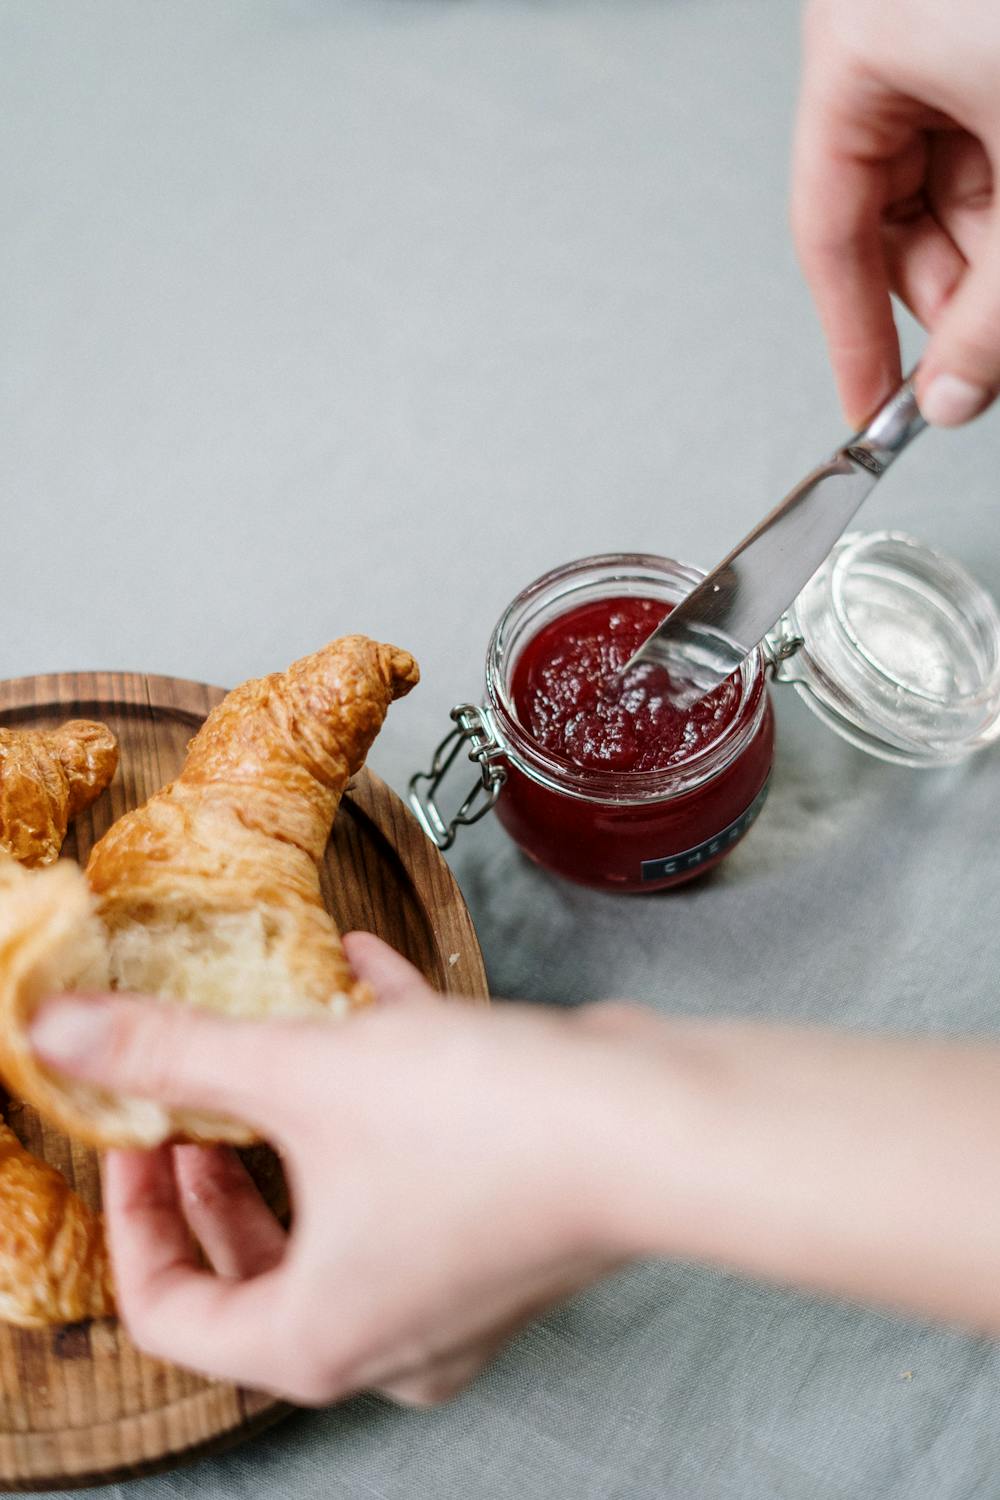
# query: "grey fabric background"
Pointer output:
{"type": "Point", "coordinates": [331, 315]}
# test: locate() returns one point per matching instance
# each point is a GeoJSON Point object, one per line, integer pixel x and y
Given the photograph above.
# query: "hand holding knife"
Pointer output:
{"type": "Point", "coordinates": [706, 637]}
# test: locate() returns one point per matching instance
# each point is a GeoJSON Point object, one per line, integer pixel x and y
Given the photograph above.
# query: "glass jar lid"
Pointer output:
{"type": "Point", "coordinates": [897, 648]}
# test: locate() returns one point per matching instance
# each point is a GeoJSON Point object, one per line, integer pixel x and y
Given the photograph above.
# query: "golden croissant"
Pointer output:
{"type": "Point", "coordinates": [53, 1259]}
{"type": "Point", "coordinates": [47, 776]}
{"type": "Point", "coordinates": [208, 894]}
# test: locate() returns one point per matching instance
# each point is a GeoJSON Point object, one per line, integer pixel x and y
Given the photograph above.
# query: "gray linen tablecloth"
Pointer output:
{"type": "Point", "coordinates": [333, 315]}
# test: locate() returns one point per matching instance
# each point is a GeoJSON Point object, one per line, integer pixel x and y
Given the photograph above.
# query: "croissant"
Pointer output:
{"type": "Point", "coordinates": [47, 776]}
{"type": "Point", "coordinates": [53, 1259]}
{"type": "Point", "coordinates": [209, 894]}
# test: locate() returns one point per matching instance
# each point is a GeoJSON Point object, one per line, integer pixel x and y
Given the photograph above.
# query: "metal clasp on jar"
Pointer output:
{"type": "Point", "coordinates": [778, 648]}
{"type": "Point", "coordinates": [472, 729]}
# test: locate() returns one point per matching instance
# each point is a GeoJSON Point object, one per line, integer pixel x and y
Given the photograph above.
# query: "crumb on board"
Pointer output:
{"type": "Point", "coordinates": [906, 1375]}
{"type": "Point", "coordinates": [453, 959]}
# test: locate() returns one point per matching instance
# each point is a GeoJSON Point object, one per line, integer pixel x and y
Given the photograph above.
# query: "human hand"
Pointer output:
{"type": "Point", "coordinates": [453, 1173]}
{"type": "Point", "coordinates": [898, 128]}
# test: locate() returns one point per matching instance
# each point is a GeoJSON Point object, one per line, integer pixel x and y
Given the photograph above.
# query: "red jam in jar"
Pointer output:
{"type": "Point", "coordinates": [607, 783]}
{"type": "Point", "coordinates": [574, 699]}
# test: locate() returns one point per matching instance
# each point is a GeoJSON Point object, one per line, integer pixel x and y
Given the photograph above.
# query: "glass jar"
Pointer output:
{"type": "Point", "coordinates": [897, 648]}
{"type": "Point", "coordinates": [893, 645]}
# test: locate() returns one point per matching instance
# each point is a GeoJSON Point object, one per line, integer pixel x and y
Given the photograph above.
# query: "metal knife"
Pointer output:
{"type": "Point", "coordinates": [722, 620]}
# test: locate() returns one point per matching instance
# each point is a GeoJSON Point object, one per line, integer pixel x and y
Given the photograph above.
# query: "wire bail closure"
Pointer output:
{"type": "Point", "coordinates": [472, 729]}
{"type": "Point", "coordinates": [777, 648]}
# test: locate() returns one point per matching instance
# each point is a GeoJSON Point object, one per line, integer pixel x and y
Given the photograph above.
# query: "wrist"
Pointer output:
{"type": "Point", "coordinates": [658, 1106]}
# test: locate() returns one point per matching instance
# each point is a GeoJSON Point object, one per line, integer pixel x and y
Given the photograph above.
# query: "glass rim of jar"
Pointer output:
{"type": "Point", "coordinates": [844, 677]}
{"type": "Point", "coordinates": [575, 582]}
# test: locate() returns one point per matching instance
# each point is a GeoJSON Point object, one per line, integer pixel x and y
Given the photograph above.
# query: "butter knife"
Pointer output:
{"type": "Point", "coordinates": [716, 626]}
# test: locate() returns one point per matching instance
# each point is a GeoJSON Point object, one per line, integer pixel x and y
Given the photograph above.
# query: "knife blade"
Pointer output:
{"type": "Point", "coordinates": [726, 616]}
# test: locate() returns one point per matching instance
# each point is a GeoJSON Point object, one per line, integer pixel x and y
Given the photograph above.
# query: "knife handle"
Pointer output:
{"type": "Point", "coordinates": [887, 433]}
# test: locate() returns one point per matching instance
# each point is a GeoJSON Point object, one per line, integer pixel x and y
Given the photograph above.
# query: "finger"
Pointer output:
{"type": "Point", "coordinates": [924, 265]}
{"type": "Point", "coordinates": [444, 1377]}
{"type": "Point", "coordinates": [960, 189]}
{"type": "Point", "coordinates": [849, 133]}
{"type": "Point", "coordinates": [247, 1070]}
{"type": "Point", "coordinates": [960, 371]}
{"type": "Point", "coordinates": [219, 1199]}
{"type": "Point", "coordinates": [437, 1373]}
{"type": "Point", "coordinates": [146, 1226]}
{"type": "Point", "coordinates": [837, 204]}
{"type": "Point", "coordinates": [394, 979]}
{"type": "Point", "coordinates": [438, 1382]}
{"type": "Point", "coordinates": [171, 1307]}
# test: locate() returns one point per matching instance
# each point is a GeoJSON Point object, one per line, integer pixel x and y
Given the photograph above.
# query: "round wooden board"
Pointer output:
{"type": "Point", "coordinates": [80, 1405]}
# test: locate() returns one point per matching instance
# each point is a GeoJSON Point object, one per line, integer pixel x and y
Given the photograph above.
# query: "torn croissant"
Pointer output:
{"type": "Point", "coordinates": [47, 776]}
{"type": "Point", "coordinates": [209, 894]}
{"type": "Point", "coordinates": [53, 1259]}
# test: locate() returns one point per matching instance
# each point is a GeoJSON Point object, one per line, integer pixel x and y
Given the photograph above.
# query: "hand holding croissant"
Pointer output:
{"type": "Point", "coordinates": [438, 1204]}
{"type": "Point", "coordinates": [208, 895]}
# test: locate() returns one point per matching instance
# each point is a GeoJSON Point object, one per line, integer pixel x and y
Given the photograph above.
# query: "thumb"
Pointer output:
{"type": "Point", "coordinates": [393, 978]}
{"type": "Point", "coordinates": [252, 1071]}
{"type": "Point", "coordinates": [960, 372]}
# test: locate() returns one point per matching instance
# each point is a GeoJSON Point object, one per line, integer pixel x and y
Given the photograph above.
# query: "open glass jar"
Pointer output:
{"type": "Point", "coordinates": [895, 647]}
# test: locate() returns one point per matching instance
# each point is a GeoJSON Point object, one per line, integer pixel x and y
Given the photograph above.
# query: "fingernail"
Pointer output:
{"type": "Point", "coordinates": [948, 401]}
{"type": "Point", "coordinates": [68, 1031]}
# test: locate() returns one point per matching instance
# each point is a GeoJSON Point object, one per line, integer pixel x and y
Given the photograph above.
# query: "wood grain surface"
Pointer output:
{"type": "Point", "coordinates": [80, 1405]}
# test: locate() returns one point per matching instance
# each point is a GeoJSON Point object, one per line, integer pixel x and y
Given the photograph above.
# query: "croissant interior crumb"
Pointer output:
{"type": "Point", "coordinates": [52, 939]}
{"type": "Point", "coordinates": [225, 962]}
{"type": "Point", "coordinates": [77, 959]}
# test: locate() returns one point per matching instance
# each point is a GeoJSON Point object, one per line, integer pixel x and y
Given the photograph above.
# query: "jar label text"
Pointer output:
{"type": "Point", "coordinates": [690, 859]}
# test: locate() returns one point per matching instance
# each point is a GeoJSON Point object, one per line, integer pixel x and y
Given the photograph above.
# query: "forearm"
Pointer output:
{"type": "Point", "coordinates": [866, 1167]}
